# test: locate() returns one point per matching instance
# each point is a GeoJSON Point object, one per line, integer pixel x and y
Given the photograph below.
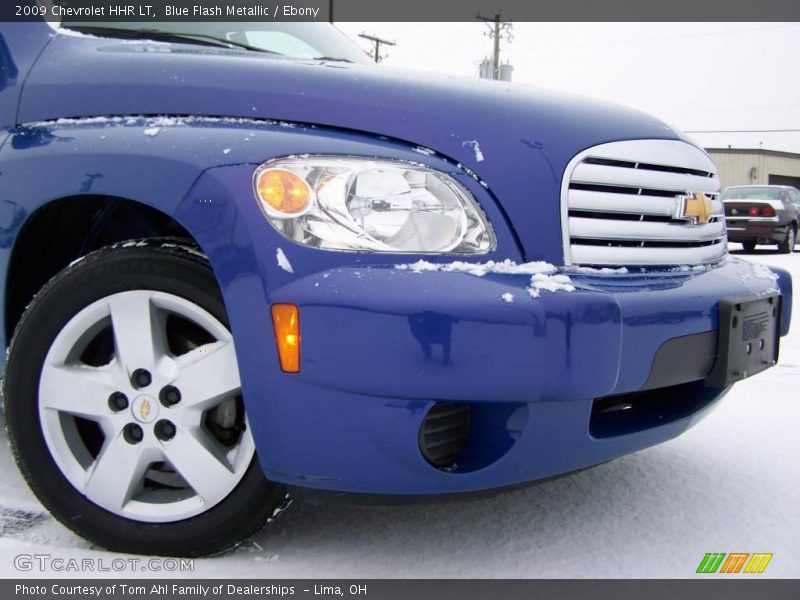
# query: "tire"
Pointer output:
{"type": "Point", "coordinates": [191, 489]}
{"type": "Point", "coordinates": [787, 245]}
{"type": "Point", "coordinates": [749, 247]}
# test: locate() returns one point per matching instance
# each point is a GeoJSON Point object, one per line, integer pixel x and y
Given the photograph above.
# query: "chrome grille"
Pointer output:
{"type": "Point", "coordinates": [625, 203]}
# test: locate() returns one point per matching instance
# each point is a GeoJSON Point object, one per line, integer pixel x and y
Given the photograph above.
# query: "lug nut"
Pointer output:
{"type": "Point", "coordinates": [117, 401]}
{"type": "Point", "coordinates": [132, 433]}
{"type": "Point", "coordinates": [141, 378]}
{"type": "Point", "coordinates": [169, 395]}
{"type": "Point", "coordinates": [165, 430]}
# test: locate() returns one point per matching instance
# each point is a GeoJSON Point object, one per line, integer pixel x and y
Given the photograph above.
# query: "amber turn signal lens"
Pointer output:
{"type": "Point", "coordinates": [286, 322]}
{"type": "Point", "coordinates": [283, 192]}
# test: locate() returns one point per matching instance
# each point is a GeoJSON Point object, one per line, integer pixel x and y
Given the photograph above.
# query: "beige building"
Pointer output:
{"type": "Point", "coordinates": [756, 167]}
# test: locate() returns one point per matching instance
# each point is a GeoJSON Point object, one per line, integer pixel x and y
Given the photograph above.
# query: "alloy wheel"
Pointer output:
{"type": "Point", "coordinates": [140, 406]}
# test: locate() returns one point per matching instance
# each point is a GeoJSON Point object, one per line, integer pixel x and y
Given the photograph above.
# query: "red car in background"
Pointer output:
{"type": "Point", "coordinates": [762, 214]}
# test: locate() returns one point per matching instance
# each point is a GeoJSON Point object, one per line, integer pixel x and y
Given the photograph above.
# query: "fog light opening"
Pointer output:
{"type": "Point", "coordinates": [444, 433]}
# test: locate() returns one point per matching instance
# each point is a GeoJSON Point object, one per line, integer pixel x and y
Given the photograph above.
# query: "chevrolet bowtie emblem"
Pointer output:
{"type": "Point", "coordinates": [694, 208]}
{"type": "Point", "coordinates": [144, 410]}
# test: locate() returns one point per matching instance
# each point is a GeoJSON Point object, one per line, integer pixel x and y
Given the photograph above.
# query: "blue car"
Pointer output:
{"type": "Point", "coordinates": [242, 264]}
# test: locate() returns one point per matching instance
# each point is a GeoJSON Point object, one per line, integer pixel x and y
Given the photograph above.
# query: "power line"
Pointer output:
{"type": "Point", "coordinates": [705, 34]}
{"type": "Point", "coordinates": [461, 27]}
{"type": "Point", "coordinates": [731, 109]}
{"type": "Point", "coordinates": [745, 131]}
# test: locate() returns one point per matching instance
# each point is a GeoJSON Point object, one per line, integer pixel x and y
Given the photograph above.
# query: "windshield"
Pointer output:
{"type": "Point", "coordinates": [752, 193]}
{"type": "Point", "coordinates": [289, 39]}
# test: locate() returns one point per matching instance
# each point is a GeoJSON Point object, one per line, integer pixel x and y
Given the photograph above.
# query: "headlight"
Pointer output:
{"type": "Point", "coordinates": [371, 205]}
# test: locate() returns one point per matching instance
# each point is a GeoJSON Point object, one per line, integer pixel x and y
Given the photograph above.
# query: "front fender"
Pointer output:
{"type": "Point", "coordinates": [199, 172]}
{"type": "Point", "coordinates": [128, 158]}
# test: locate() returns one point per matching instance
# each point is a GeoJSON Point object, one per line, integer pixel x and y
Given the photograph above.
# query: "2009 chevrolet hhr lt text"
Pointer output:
{"type": "Point", "coordinates": [241, 263]}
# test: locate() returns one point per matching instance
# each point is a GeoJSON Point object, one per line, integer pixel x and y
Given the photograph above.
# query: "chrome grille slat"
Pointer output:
{"type": "Point", "coordinates": [603, 255]}
{"type": "Point", "coordinates": [639, 178]}
{"type": "Point", "coordinates": [621, 205]}
{"type": "Point", "coordinates": [634, 204]}
{"type": "Point", "coordinates": [607, 229]}
{"type": "Point", "coordinates": [654, 152]}
{"type": "Point", "coordinates": [648, 167]}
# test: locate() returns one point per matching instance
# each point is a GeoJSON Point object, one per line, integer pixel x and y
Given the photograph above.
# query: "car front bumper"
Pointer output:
{"type": "Point", "coordinates": [762, 232]}
{"type": "Point", "coordinates": [381, 346]}
{"type": "Point", "coordinates": [547, 378]}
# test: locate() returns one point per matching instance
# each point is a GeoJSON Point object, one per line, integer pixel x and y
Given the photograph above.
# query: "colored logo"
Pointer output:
{"type": "Point", "coordinates": [735, 562]}
{"type": "Point", "coordinates": [694, 208]}
{"type": "Point", "coordinates": [145, 409]}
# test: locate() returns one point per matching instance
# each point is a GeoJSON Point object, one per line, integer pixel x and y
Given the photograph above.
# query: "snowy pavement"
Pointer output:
{"type": "Point", "coordinates": [731, 484]}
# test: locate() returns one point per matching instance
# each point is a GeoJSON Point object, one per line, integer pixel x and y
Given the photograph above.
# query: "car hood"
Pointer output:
{"type": "Point", "coordinates": [517, 138]}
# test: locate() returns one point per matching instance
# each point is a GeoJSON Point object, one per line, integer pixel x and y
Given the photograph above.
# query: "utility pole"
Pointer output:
{"type": "Point", "coordinates": [498, 30]}
{"type": "Point", "coordinates": [377, 45]}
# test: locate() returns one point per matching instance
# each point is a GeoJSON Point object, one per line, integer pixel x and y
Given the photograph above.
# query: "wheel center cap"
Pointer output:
{"type": "Point", "coordinates": [144, 409]}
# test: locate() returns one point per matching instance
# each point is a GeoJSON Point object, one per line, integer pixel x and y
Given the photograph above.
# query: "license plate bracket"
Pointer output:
{"type": "Point", "coordinates": [748, 340]}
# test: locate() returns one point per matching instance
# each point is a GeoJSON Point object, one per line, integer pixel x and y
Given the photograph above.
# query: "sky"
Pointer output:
{"type": "Point", "coordinates": [694, 76]}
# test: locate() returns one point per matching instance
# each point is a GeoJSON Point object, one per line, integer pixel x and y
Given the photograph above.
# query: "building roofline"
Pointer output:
{"type": "Point", "coordinates": [758, 185]}
{"type": "Point", "coordinates": [754, 151]}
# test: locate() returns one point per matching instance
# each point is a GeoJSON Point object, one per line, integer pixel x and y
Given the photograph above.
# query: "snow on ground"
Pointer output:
{"type": "Point", "coordinates": [731, 484]}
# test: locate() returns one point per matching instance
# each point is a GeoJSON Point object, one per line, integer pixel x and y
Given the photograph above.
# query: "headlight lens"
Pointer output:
{"type": "Point", "coordinates": [370, 205]}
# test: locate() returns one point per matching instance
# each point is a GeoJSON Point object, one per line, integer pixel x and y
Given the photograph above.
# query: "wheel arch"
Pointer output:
{"type": "Point", "coordinates": [64, 229]}
{"type": "Point", "coordinates": [69, 188]}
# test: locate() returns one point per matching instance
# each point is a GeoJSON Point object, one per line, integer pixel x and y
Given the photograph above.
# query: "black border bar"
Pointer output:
{"type": "Point", "coordinates": [404, 589]}
{"type": "Point", "coordinates": [401, 10]}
